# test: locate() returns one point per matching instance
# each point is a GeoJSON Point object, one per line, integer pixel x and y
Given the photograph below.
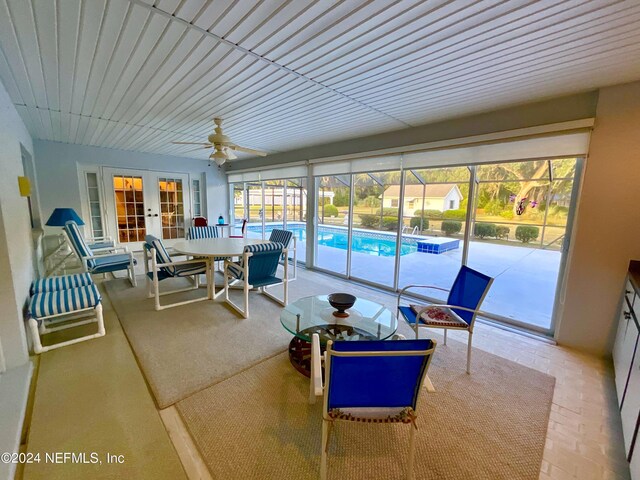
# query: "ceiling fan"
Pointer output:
{"type": "Point", "coordinates": [222, 145]}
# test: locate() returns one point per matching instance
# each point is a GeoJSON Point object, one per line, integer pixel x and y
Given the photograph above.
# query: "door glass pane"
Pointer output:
{"type": "Point", "coordinates": [171, 208]}
{"type": "Point", "coordinates": [375, 226]}
{"type": "Point", "coordinates": [95, 205]}
{"type": "Point", "coordinates": [273, 202]}
{"type": "Point", "coordinates": [434, 214]}
{"type": "Point", "coordinates": [256, 209]}
{"type": "Point", "coordinates": [125, 189]}
{"type": "Point", "coordinates": [520, 221]}
{"type": "Point", "coordinates": [296, 214]}
{"type": "Point", "coordinates": [332, 195]}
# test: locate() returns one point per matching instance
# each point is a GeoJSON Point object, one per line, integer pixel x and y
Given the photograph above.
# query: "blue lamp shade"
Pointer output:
{"type": "Point", "coordinates": [60, 216]}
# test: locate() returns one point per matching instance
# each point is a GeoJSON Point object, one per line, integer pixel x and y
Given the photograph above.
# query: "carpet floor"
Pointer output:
{"type": "Point", "coordinates": [487, 425]}
{"type": "Point", "coordinates": [184, 349]}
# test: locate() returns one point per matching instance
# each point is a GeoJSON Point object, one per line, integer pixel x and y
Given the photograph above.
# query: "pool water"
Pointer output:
{"type": "Point", "coordinates": [371, 243]}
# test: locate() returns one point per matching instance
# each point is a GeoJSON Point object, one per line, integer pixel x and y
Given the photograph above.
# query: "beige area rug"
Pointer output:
{"type": "Point", "coordinates": [488, 425]}
{"type": "Point", "coordinates": [185, 349]}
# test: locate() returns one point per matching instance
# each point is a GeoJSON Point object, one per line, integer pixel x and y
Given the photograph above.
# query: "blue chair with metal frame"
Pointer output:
{"type": "Point", "coordinates": [459, 311]}
{"type": "Point", "coordinates": [210, 231]}
{"type": "Point", "coordinates": [257, 268]}
{"type": "Point", "coordinates": [373, 382]}
{"type": "Point", "coordinates": [95, 262]}
{"type": "Point", "coordinates": [286, 237]}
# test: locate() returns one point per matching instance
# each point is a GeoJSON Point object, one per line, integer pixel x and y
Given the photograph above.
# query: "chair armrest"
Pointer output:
{"type": "Point", "coordinates": [184, 262]}
{"type": "Point", "coordinates": [408, 287]}
{"type": "Point", "coordinates": [316, 387]}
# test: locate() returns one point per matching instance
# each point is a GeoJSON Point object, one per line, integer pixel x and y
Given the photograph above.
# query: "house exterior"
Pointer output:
{"type": "Point", "coordinates": [441, 197]}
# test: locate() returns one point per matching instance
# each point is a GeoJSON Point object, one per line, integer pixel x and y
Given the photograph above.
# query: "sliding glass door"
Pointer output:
{"type": "Point", "coordinates": [420, 225]}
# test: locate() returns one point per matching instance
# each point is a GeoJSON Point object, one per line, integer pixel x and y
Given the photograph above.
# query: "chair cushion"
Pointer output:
{"type": "Point", "coordinates": [195, 233]}
{"type": "Point", "coordinates": [190, 269]}
{"type": "Point", "coordinates": [110, 263]}
{"type": "Point", "coordinates": [45, 304]}
{"type": "Point", "coordinates": [77, 241]}
{"type": "Point", "coordinates": [235, 269]}
{"type": "Point", "coordinates": [435, 316]}
{"type": "Point", "coordinates": [281, 236]}
{"type": "Point", "coordinates": [99, 245]}
{"type": "Point", "coordinates": [61, 282]}
{"type": "Point", "coordinates": [162, 256]}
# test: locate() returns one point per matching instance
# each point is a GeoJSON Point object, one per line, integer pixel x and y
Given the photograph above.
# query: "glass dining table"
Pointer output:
{"type": "Point", "coordinates": [366, 320]}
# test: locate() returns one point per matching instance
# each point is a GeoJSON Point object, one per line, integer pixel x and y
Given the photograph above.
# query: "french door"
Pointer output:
{"type": "Point", "coordinates": [143, 203]}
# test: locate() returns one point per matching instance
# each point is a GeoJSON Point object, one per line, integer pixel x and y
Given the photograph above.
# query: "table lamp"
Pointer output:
{"type": "Point", "coordinates": [61, 216]}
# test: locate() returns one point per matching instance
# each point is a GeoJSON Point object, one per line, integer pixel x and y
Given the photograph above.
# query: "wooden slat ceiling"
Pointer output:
{"type": "Point", "coordinates": [136, 74]}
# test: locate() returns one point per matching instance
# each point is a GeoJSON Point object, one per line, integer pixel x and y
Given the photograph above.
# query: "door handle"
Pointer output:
{"type": "Point", "coordinates": [627, 315]}
{"type": "Point", "coordinates": [155, 215]}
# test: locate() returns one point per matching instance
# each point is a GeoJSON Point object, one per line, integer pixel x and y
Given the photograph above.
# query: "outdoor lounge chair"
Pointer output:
{"type": "Point", "coordinates": [458, 313]}
{"type": "Point", "coordinates": [285, 237]}
{"type": "Point", "coordinates": [96, 262]}
{"type": "Point", "coordinates": [163, 267]}
{"type": "Point", "coordinates": [62, 302]}
{"type": "Point", "coordinates": [257, 268]}
{"type": "Point", "coordinates": [377, 381]}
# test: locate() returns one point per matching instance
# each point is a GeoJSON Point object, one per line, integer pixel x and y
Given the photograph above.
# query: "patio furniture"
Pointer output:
{"type": "Point", "coordinates": [163, 267]}
{"type": "Point", "coordinates": [285, 237]}
{"type": "Point", "coordinates": [367, 320]}
{"type": "Point", "coordinates": [243, 230]}
{"type": "Point", "coordinates": [102, 263]}
{"type": "Point", "coordinates": [458, 313]}
{"type": "Point", "coordinates": [199, 222]}
{"type": "Point", "coordinates": [196, 232]}
{"type": "Point", "coordinates": [370, 382]}
{"type": "Point", "coordinates": [214, 248]}
{"type": "Point", "coordinates": [71, 307]}
{"type": "Point", "coordinates": [257, 268]}
{"type": "Point", "coordinates": [56, 259]}
{"type": "Point", "coordinates": [60, 282]}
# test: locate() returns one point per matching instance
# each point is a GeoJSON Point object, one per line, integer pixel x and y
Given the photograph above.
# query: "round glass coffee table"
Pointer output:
{"type": "Point", "coordinates": [367, 320]}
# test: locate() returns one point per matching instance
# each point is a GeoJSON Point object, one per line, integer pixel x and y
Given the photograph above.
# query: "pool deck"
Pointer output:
{"type": "Point", "coordinates": [525, 277]}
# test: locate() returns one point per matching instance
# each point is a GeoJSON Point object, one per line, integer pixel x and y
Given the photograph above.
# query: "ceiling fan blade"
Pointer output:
{"type": "Point", "coordinates": [193, 143]}
{"type": "Point", "coordinates": [199, 149]}
{"type": "Point", "coordinates": [260, 153]}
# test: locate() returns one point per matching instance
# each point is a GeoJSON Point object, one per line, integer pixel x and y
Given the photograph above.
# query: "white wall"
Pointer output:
{"type": "Point", "coordinates": [58, 164]}
{"type": "Point", "coordinates": [607, 232]}
{"type": "Point", "coordinates": [16, 245]}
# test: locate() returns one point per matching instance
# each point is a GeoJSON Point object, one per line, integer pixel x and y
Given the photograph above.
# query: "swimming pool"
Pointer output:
{"type": "Point", "coordinates": [379, 244]}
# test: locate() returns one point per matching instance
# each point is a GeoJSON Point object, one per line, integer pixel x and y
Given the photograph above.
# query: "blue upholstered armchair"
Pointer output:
{"type": "Point", "coordinates": [257, 268]}
{"type": "Point", "coordinates": [372, 382]}
{"type": "Point", "coordinates": [458, 313]}
{"type": "Point", "coordinates": [97, 262]}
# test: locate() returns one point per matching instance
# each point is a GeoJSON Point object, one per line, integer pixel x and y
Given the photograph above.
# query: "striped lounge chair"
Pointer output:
{"type": "Point", "coordinates": [102, 263]}
{"type": "Point", "coordinates": [376, 382]}
{"type": "Point", "coordinates": [285, 237]}
{"type": "Point", "coordinates": [257, 268]}
{"type": "Point", "coordinates": [163, 267]}
{"type": "Point", "coordinates": [72, 299]}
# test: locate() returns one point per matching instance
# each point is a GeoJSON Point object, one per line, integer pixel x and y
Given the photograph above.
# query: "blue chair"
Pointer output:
{"type": "Point", "coordinates": [372, 382]}
{"type": "Point", "coordinates": [458, 313]}
{"type": "Point", "coordinates": [93, 262]}
{"type": "Point", "coordinates": [163, 267]}
{"type": "Point", "coordinates": [257, 268]}
{"type": "Point", "coordinates": [285, 237]}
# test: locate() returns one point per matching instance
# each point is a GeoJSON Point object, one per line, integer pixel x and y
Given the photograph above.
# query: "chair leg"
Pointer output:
{"type": "Point", "coordinates": [445, 336]}
{"type": "Point", "coordinates": [469, 352]}
{"type": "Point", "coordinates": [325, 445]}
{"type": "Point", "coordinates": [35, 335]}
{"type": "Point", "coordinates": [100, 318]}
{"type": "Point", "coordinates": [412, 447]}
